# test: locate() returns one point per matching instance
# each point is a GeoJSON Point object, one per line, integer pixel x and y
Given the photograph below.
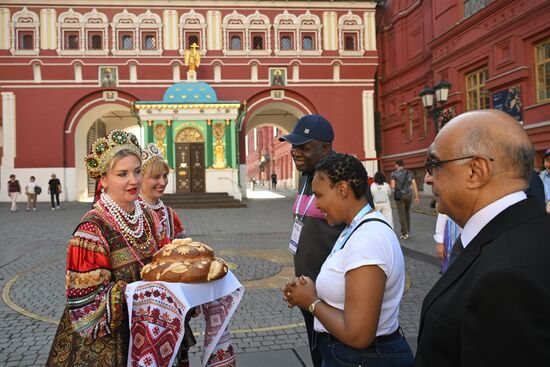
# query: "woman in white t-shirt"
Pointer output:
{"type": "Point", "coordinates": [355, 300]}
{"type": "Point", "coordinates": [381, 192]}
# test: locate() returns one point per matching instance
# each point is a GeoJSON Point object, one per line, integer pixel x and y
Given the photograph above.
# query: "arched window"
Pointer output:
{"type": "Point", "coordinates": [96, 42]}
{"type": "Point", "coordinates": [150, 42]}
{"type": "Point", "coordinates": [307, 43]}
{"type": "Point", "coordinates": [286, 43]}
{"type": "Point", "coordinates": [25, 33]}
{"type": "Point", "coordinates": [236, 43]}
{"type": "Point", "coordinates": [258, 43]}
{"type": "Point", "coordinates": [349, 43]}
{"type": "Point", "coordinates": [193, 39]}
{"type": "Point", "coordinates": [72, 42]}
{"type": "Point", "coordinates": [127, 42]}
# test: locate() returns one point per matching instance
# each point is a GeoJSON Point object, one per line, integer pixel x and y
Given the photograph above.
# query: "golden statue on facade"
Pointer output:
{"type": "Point", "coordinates": [192, 57]}
{"type": "Point", "coordinates": [219, 150]}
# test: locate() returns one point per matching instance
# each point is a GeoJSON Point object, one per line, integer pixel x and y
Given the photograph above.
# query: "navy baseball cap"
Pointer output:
{"type": "Point", "coordinates": [308, 128]}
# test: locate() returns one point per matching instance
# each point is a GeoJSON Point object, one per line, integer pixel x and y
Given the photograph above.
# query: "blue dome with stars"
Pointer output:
{"type": "Point", "coordinates": [197, 92]}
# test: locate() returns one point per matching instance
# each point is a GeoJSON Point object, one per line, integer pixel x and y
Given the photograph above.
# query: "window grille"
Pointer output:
{"type": "Point", "coordinates": [192, 39]}
{"type": "Point", "coordinates": [307, 43]}
{"type": "Point", "coordinates": [349, 44]}
{"type": "Point", "coordinates": [477, 96]}
{"type": "Point", "coordinates": [286, 43]}
{"type": "Point", "coordinates": [127, 42]}
{"type": "Point", "coordinates": [258, 43]}
{"type": "Point", "coordinates": [235, 43]}
{"type": "Point", "coordinates": [72, 42]}
{"type": "Point", "coordinates": [27, 42]}
{"type": "Point", "coordinates": [96, 42]}
{"type": "Point", "coordinates": [150, 42]}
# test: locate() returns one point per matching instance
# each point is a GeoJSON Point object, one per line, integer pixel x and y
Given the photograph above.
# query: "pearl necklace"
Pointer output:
{"type": "Point", "coordinates": [163, 222]}
{"type": "Point", "coordinates": [123, 218]}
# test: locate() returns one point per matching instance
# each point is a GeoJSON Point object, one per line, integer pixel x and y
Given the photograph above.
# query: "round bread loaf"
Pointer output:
{"type": "Point", "coordinates": [185, 261]}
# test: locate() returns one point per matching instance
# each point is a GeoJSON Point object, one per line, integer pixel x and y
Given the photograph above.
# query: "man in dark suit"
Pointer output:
{"type": "Point", "coordinates": [492, 306]}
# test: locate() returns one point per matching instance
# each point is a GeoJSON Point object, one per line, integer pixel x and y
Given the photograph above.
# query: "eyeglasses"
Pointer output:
{"type": "Point", "coordinates": [430, 164]}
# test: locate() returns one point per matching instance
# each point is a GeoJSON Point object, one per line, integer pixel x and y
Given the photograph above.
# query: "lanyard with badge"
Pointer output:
{"type": "Point", "coordinates": [298, 222]}
{"type": "Point", "coordinates": [347, 232]}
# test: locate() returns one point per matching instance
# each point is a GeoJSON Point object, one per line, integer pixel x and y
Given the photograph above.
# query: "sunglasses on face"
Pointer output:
{"type": "Point", "coordinates": [431, 163]}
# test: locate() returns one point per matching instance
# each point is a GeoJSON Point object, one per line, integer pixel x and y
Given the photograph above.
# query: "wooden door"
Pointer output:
{"type": "Point", "coordinates": [197, 167]}
{"type": "Point", "coordinates": [183, 167]}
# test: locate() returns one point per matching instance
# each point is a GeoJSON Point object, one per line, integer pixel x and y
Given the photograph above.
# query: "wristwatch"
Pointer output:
{"type": "Point", "coordinates": [312, 306]}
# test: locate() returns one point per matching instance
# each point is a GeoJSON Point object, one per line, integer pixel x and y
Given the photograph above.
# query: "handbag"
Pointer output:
{"type": "Point", "coordinates": [37, 190]}
{"type": "Point", "coordinates": [397, 194]}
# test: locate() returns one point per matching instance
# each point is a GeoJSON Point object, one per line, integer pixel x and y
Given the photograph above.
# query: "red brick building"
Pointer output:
{"type": "Point", "coordinates": [71, 70]}
{"type": "Point", "coordinates": [495, 54]}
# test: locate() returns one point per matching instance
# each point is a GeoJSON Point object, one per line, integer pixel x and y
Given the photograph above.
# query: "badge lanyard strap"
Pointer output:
{"type": "Point", "coordinates": [300, 201]}
{"type": "Point", "coordinates": [349, 230]}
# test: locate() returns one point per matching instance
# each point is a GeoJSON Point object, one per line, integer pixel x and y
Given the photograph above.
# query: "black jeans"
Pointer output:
{"type": "Point", "coordinates": [56, 196]}
{"type": "Point", "coordinates": [316, 357]}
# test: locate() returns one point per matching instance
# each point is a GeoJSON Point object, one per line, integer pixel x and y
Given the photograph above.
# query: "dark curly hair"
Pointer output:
{"type": "Point", "coordinates": [344, 167]}
{"type": "Point", "coordinates": [379, 178]}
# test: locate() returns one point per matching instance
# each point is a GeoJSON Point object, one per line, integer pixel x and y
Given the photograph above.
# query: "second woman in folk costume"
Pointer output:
{"type": "Point", "coordinates": [109, 247]}
{"type": "Point", "coordinates": [155, 178]}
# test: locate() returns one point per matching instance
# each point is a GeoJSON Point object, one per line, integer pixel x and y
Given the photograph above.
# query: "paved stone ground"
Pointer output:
{"type": "Point", "coordinates": [253, 239]}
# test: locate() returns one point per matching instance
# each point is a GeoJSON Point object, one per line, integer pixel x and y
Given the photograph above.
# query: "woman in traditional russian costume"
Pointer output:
{"type": "Point", "coordinates": [109, 247]}
{"type": "Point", "coordinates": [155, 179]}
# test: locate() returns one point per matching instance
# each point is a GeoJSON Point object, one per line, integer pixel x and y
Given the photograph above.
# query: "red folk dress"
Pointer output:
{"type": "Point", "coordinates": [94, 329]}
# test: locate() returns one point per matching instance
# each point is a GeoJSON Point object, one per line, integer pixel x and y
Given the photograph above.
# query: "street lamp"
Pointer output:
{"type": "Point", "coordinates": [433, 100]}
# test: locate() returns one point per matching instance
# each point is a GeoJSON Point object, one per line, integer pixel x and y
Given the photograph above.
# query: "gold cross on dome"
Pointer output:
{"type": "Point", "coordinates": [194, 46]}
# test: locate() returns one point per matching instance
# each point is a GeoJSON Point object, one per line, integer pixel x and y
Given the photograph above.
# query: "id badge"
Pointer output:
{"type": "Point", "coordinates": [295, 236]}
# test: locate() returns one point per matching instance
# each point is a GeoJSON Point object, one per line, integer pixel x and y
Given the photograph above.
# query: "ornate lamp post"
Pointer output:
{"type": "Point", "coordinates": [433, 100]}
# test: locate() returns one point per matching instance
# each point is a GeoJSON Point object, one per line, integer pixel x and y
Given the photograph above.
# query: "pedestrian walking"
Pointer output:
{"type": "Point", "coordinates": [14, 189]}
{"type": "Point", "coordinates": [107, 251]}
{"type": "Point", "coordinates": [403, 185]}
{"type": "Point", "coordinates": [54, 189]}
{"type": "Point", "coordinates": [32, 190]}
{"type": "Point", "coordinates": [490, 308]}
{"type": "Point", "coordinates": [274, 181]}
{"type": "Point", "coordinates": [355, 299]}
{"type": "Point", "coordinates": [381, 193]}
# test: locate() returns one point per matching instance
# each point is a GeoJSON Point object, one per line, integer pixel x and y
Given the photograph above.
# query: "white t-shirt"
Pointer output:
{"type": "Point", "coordinates": [373, 243]}
{"type": "Point", "coordinates": [30, 187]}
{"type": "Point", "coordinates": [380, 193]}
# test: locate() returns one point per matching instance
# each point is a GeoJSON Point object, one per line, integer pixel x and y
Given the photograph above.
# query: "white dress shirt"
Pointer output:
{"type": "Point", "coordinates": [480, 219]}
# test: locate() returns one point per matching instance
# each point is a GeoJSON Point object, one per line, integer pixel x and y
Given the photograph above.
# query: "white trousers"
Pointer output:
{"type": "Point", "coordinates": [385, 209]}
{"type": "Point", "coordinates": [13, 196]}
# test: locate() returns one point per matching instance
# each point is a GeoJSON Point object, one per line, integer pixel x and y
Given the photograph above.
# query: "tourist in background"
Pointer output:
{"type": "Point", "coordinates": [403, 185]}
{"type": "Point", "coordinates": [355, 299]}
{"type": "Point", "coordinates": [31, 191]}
{"type": "Point", "coordinates": [54, 189]}
{"type": "Point", "coordinates": [545, 177]}
{"type": "Point", "coordinates": [381, 193]}
{"type": "Point", "coordinates": [14, 189]}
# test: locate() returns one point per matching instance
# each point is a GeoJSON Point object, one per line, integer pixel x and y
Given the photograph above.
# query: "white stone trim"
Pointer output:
{"type": "Point", "coordinates": [4, 29]}
{"type": "Point", "coordinates": [196, 23]}
{"type": "Point", "coordinates": [351, 23]}
{"type": "Point", "coordinates": [369, 146]}
{"type": "Point", "coordinates": [171, 40]}
{"type": "Point", "coordinates": [25, 20]}
{"type": "Point", "coordinates": [214, 30]}
{"type": "Point", "coordinates": [8, 130]}
{"type": "Point", "coordinates": [48, 29]}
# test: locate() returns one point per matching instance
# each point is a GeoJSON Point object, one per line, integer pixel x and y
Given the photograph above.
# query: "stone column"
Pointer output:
{"type": "Point", "coordinates": [8, 136]}
{"type": "Point", "coordinates": [368, 131]}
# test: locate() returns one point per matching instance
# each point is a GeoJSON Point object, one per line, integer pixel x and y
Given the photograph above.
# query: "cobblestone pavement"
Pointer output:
{"type": "Point", "coordinates": [253, 240]}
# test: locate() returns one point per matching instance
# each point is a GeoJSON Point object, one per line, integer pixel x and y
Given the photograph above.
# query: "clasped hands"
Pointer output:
{"type": "Point", "coordinates": [299, 292]}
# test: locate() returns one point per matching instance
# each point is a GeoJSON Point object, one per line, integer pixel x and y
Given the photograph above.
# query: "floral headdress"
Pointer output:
{"type": "Point", "coordinates": [149, 154]}
{"type": "Point", "coordinates": [104, 149]}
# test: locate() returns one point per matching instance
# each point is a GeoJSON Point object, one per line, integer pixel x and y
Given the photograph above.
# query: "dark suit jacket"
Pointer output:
{"type": "Point", "coordinates": [492, 307]}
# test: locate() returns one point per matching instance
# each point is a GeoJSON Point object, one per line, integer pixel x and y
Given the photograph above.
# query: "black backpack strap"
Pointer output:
{"type": "Point", "coordinates": [363, 222]}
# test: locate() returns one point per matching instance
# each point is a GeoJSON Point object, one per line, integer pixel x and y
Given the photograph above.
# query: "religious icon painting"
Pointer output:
{"type": "Point", "coordinates": [277, 77]}
{"type": "Point", "coordinates": [108, 76]}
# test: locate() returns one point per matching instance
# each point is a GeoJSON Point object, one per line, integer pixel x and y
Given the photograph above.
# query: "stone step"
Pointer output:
{"type": "Point", "coordinates": [202, 200]}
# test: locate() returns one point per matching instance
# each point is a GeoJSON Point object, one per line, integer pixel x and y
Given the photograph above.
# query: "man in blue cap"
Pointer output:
{"type": "Point", "coordinates": [312, 238]}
